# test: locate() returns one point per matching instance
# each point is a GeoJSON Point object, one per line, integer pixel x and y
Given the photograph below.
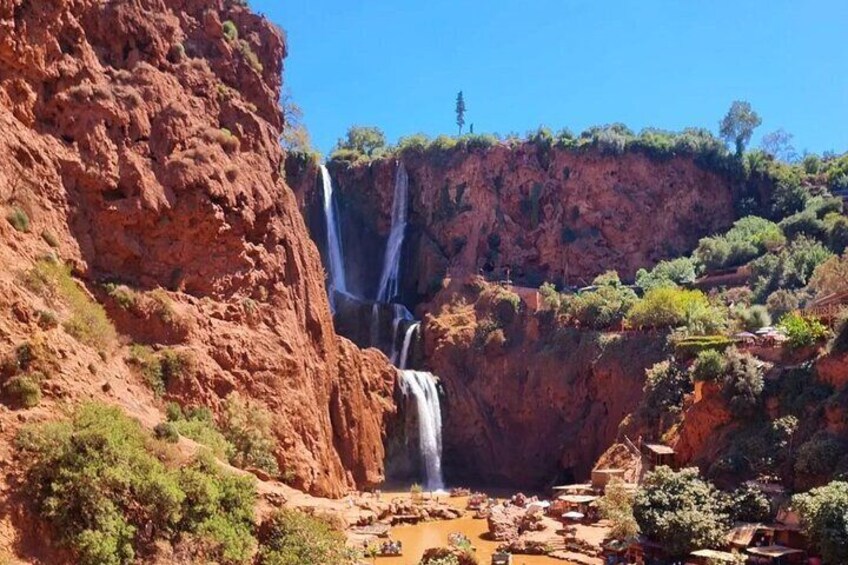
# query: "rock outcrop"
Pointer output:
{"type": "Point", "coordinates": [528, 402]}
{"type": "Point", "coordinates": [141, 140]}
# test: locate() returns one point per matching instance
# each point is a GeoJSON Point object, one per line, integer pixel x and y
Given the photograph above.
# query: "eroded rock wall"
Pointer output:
{"type": "Point", "coordinates": [144, 139]}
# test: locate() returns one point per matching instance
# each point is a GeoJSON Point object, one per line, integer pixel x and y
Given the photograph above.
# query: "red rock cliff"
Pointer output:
{"type": "Point", "coordinates": [562, 215]}
{"type": "Point", "coordinates": [145, 140]}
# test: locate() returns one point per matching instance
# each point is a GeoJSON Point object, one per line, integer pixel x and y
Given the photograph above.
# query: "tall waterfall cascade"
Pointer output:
{"type": "Point", "coordinates": [421, 386]}
{"type": "Point", "coordinates": [390, 278]}
{"type": "Point", "coordinates": [423, 416]}
{"type": "Point", "coordinates": [335, 254]}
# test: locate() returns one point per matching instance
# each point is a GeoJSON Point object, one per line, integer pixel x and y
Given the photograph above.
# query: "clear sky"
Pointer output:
{"type": "Point", "coordinates": [398, 64]}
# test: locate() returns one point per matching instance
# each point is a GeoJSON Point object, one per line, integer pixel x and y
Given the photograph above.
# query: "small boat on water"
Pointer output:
{"type": "Point", "coordinates": [502, 558]}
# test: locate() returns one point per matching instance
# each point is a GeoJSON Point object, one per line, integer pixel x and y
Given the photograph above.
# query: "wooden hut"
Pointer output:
{"type": "Point", "coordinates": [658, 455]}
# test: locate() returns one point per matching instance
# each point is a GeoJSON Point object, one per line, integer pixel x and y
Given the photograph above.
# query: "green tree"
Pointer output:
{"type": "Point", "coordinates": [290, 537]}
{"type": "Point", "coordinates": [617, 507]}
{"type": "Point", "coordinates": [739, 124]}
{"type": "Point", "coordinates": [778, 144]}
{"type": "Point", "coordinates": [363, 140]}
{"type": "Point", "coordinates": [681, 511]}
{"type": "Point", "coordinates": [460, 111]}
{"type": "Point", "coordinates": [824, 519]}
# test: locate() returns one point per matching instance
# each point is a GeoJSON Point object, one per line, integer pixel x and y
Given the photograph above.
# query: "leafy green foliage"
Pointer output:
{"type": "Point", "coordinates": [753, 317]}
{"type": "Point", "coordinates": [790, 268]}
{"type": "Point", "coordinates": [604, 307]}
{"type": "Point", "coordinates": [230, 31]}
{"type": "Point", "coordinates": [803, 331]}
{"type": "Point", "coordinates": [681, 511]}
{"type": "Point", "coordinates": [824, 520]}
{"type": "Point", "coordinates": [460, 111]}
{"type": "Point", "coordinates": [19, 219]}
{"type": "Point", "coordinates": [23, 390]}
{"type": "Point", "coordinates": [93, 479]}
{"type": "Point", "coordinates": [749, 504]}
{"type": "Point", "coordinates": [819, 455]}
{"type": "Point", "coordinates": [199, 425]}
{"type": "Point", "coordinates": [743, 382]}
{"type": "Point", "coordinates": [709, 366]}
{"type": "Point", "coordinates": [218, 510]}
{"type": "Point", "coordinates": [290, 537]}
{"type": "Point", "coordinates": [680, 271]}
{"type": "Point", "coordinates": [361, 141]}
{"type": "Point", "coordinates": [247, 426]}
{"type": "Point", "coordinates": [617, 506]}
{"type": "Point", "coordinates": [738, 125]}
{"type": "Point", "coordinates": [666, 385]}
{"type": "Point", "coordinates": [97, 481]}
{"type": "Point", "coordinates": [749, 238]}
{"type": "Point", "coordinates": [669, 307]}
{"type": "Point", "coordinates": [88, 321]}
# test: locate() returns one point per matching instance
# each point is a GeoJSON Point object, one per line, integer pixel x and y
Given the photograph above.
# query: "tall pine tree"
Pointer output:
{"type": "Point", "coordinates": [460, 111]}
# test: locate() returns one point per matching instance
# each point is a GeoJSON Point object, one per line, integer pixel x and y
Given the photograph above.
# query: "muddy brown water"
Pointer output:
{"type": "Point", "coordinates": [420, 537]}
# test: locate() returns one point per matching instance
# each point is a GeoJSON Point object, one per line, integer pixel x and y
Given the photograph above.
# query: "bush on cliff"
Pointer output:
{"type": "Point", "coordinates": [676, 272]}
{"type": "Point", "coordinates": [670, 307]}
{"type": "Point", "coordinates": [824, 520]}
{"type": "Point", "coordinates": [290, 537]}
{"type": "Point", "coordinates": [743, 382]}
{"type": "Point", "coordinates": [749, 238]}
{"type": "Point", "coordinates": [97, 481]}
{"type": "Point", "coordinates": [681, 511]}
{"type": "Point", "coordinates": [803, 331]}
{"type": "Point", "coordinates": [666, 386]}
{"type": "Point", "coordinates": [247, 426]}
{"type": "Point", "coordinates": [361, 142]}
{"type": "Point", "coordinates": [604, 307]}
{"type": "Point", "coordinates": [790, 268]}
{"type": "Point", "coordinates": [87, 320]}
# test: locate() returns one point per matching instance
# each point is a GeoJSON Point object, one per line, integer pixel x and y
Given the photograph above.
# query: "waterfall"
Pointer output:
{"type": "Point", "coordinates": [399, 314]}
{"type": "Point", "coordinates": [335, 267]}
{"type": "Point", "coordinates": [422, 387]}
{"type": "Point", "coordinates": [407, 341]}
{"type": "Point", "coordinates": [391, 262]}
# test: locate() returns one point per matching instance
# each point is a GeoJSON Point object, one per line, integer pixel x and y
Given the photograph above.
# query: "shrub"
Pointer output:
{"type": "Point", "coordinates": [175, 364]}
{"type": "Point", "coordinates": [290, 537]}
{"type": "Point", "coordinates": [198, 425]}
{"type": "Point", "coordinates": [617, 506]}
{"type": "Point", "coordinates": [143, 357]}
{"type": "Point", "coordinates": [218, 509]}
{"type": "Point", "coordinates": [88, 321]}
{"type": "Point", "coordinates": [819, 455]}
{"type": "Point", "coordinates": [167, 431]}
{"type": "Point", "coordinates": [681, 510]}
{"type": "Point", "coordinates": [47, 319]}
{"type": "Point", "coordinates": [23, 390]}
{"type": "Point", "coordinates": [749, 237]}
{"type": "Point", "coordinates": [839, 344]}
{"type": "Point", "coordinates": [680, 271]}
{"type": "Point", "coordinates": [250, 56]}
{"type": "Point", "coordinates": [50, 239]}
{"type": "Point", "coordinates": [804, 223]}
{"type": "Point", "coordinates": [782, 302]}
{"type": "Point", "coordinates": [743, 382]}
{"type": "Point", "coordinates": [803, 331]}
{"type": "Point", "coordinates": [754, 317]}
{"type": "Point", "coordinates": [362, 141]}
{"type": "Point", "coordinates": [230, 31]}
{"type": "Point", "coordinates": [709, 366]}
{"type": "Point", "coordinates": [831, 276]}
{"type": "Point", "coordinates": [824, 520]}
{"type": "Point", "coordinates": [689, 346]}
{"type": "Point", "coordinates": [93, 480]}
{"type": "Point", "coordinates": [19, 219]}
{"type": "Point", "coordinates": [749, 504]}
{"type": "Point", "coordinates": [790, 268]}
{"type": "Point", "coordinates": [604, 307]}
{"type": "Point", "coordinates": [674, 307]}
{"type": "Point", "coordinates": [666, 386]}
{"type": "Point", "coordinates": [247, 426]}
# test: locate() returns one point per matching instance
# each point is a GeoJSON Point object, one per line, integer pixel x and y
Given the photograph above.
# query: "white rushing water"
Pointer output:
{"type": "Point", "coordinates": [391, 261]}
{"type": "Point", "coordinates": [407, 341]}
{"type": "Point", "coordinates": [399, 314]}
{"type": "Point", "coordinates": [422, 387]}
{"type": "Point", "coordinates": [334, 242]}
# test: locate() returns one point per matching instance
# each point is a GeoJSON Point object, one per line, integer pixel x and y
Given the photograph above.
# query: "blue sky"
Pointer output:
{"type": "Point", "coordinates": [398, 64]}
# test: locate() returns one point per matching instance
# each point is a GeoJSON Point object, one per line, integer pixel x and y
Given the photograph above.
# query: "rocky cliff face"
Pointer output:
{"type": "Point", "coordinates": [544, 214]}
{"type": "Point", "coordinates": [528, 402]}
{"type": "Point", "coordinates": [141, 138]}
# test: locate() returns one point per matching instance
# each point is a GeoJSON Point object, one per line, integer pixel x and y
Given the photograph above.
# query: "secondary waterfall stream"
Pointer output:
{"type": "Point", "coordinates": [335, 255]}
{"type": "Point", "coordinates": [391, 262]}
{"type": "Point", "coordinates": [419, 388]}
